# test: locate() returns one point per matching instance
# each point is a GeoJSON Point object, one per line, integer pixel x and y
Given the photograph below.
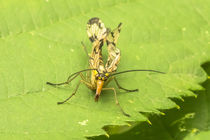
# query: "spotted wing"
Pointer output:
{"type": "Point", "coordinates": [96, 30]}
{"type": "Point", "coordinates": [97, 33]}
{"type": "Point", "coordinates": [113, 52]}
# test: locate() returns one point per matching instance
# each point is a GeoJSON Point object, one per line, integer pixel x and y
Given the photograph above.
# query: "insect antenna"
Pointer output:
{"type": "Point", "coordinates": [70, 78]}
{"type": "Point", "coordinates": [136, 70]}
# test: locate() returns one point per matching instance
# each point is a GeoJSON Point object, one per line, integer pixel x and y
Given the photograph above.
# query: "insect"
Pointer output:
{"type": "Point", "coordinates": [101, 74]}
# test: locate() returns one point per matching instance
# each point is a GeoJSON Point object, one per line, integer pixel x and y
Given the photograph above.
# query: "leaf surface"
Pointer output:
{"type": "Point", "coordinates": [40, 41]}
{"type": "Point", "coordinates": [190, 122]}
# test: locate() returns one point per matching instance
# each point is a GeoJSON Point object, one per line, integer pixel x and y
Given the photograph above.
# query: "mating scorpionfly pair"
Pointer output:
{"type": "Point", "coordinates": [101, 74]}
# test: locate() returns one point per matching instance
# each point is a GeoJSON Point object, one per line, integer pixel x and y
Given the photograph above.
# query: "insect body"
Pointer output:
{"type": "Point", "coordinates": [98, 34]}
{"type": "Point", "coordinates": [101, 74]}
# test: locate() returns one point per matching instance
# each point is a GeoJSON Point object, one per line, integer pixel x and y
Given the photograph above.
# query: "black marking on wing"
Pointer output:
{"type": "Point", "coordinates": [112, 33]}
{"type": "Point", "coordinates": [91, 39]}
{"type": "Point", "coordinates": [100, 25]}
{"type": "Point", "coordinates": [101, 44]}
{"type": "Point", "coordinates": [119, 29]}
{"type": "Point", "coordinates": [93, 20]}
{"type": "Point", "coordinates": [95, 51]}
{"type": "Point", "coordinates": [108, 43]}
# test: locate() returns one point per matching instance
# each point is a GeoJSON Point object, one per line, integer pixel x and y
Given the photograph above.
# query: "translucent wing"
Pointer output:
{"type": "Point", "coordinates": [113, 52]}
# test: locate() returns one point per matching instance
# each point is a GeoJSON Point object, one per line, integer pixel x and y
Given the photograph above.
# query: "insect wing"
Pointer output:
{"type": "Point", "coordinates": [97, 33]}
{"type": "Point", "coordinates": [96, 30]}
{"type": "Point", "coordinates": [113, 52]}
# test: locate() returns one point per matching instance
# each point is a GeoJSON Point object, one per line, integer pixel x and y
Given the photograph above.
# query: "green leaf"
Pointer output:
{"type": "Point", "coordinates": [193, 119]}
{"type": "Point", "coordinates": [40, 41]}
{"type": "Point", "coordinates": [190, 122]}
{"type": "Point", "coordinates": [196, 126]}
{"type": "Point", "coordinates": [201, 136]}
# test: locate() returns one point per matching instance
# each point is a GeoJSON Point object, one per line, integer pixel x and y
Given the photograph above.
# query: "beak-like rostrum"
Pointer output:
{"type": "Point", "coordinates": [100, 84]}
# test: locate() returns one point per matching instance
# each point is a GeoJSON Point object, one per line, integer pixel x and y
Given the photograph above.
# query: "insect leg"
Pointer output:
{"type": "Point", "coordinates": [116, 100]}
{"type": "Point", "coordinates": [85, 80]}
{"type": "Point", "coordinates": [70, 78]}
{"type": "Point", "coordinates": [108, 81]}
{"type": "Point", "coordinates": [118, 85]}
{"type": "Point", "coordinates": [89, 85]}
{"type": "Point", "coordinates": [75, 91]}
{"type": "Point", "coordinates": [82, 76]}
